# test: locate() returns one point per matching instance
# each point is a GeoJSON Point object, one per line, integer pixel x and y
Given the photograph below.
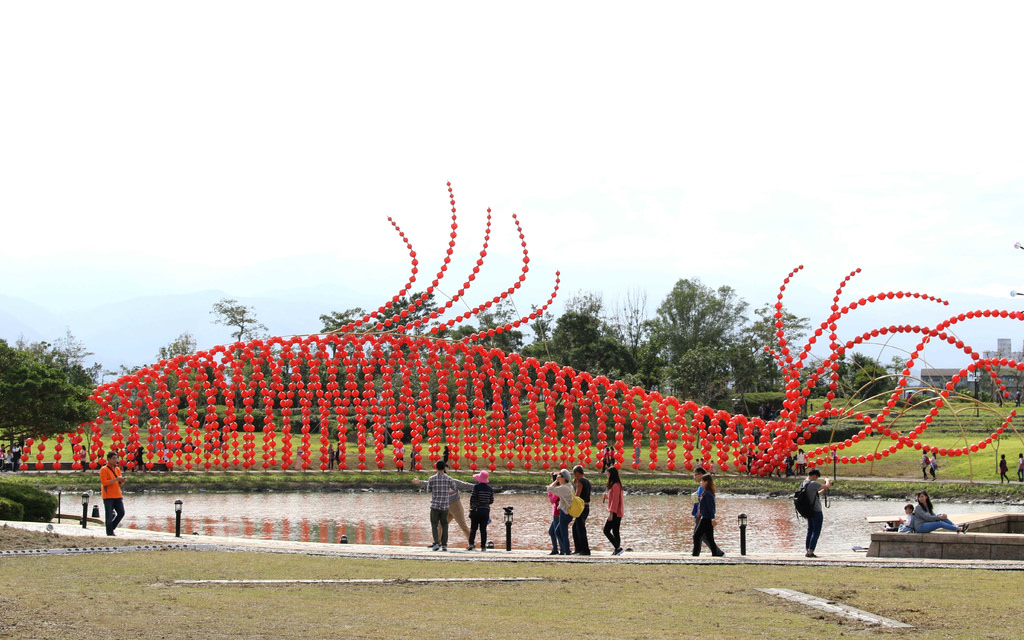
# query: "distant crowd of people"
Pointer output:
{"type": "Point", "coordinates": [10, 457]}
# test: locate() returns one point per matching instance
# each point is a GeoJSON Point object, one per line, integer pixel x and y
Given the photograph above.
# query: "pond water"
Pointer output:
{"type": "Point", "coordinates": [651, 522]}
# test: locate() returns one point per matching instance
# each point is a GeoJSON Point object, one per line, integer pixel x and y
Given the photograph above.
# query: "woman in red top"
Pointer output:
{"type": "Point", "coordinates": [614, 499]}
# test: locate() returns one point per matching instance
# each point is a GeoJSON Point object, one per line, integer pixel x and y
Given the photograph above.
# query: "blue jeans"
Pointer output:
{"type": "Point", "coordinates": [814, 530]}
{"type": "Point", "coordinates": [928, 527]}
{"type": "Point", "coordinates": [559, 532]}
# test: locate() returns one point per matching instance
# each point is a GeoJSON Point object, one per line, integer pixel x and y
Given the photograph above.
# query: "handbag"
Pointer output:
{"type": "Point", "coordinates": [577, 506]}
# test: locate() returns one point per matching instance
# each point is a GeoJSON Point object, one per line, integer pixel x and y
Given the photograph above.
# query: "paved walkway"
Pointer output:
{"type": "Point", "coordinates": [223, 543]}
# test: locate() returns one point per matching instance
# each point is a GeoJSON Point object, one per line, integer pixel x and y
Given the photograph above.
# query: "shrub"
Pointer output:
{"type": "Point", "coordinates": [11, 510]}
{"type": "Point", "coordinates": [39, 506]}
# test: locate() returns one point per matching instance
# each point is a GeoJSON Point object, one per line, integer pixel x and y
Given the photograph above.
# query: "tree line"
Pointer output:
{"type": "Point", "coordinates": [699, 343]}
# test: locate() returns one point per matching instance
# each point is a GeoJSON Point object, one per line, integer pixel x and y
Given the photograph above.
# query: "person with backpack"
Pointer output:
{"type": "Point", "coordinates": [813, 490]}
{"type": "Point", "coordinates": [579, 525]}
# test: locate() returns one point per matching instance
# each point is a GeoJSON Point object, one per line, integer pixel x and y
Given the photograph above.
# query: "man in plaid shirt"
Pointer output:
{"type": "Point", "coordinates": [441, 487]}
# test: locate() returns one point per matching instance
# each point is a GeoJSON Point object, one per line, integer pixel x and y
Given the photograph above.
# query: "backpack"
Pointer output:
{"type": "Point", "coordinates": [803, 502]}
{"type": "Point", "coordinates": [577, 506]}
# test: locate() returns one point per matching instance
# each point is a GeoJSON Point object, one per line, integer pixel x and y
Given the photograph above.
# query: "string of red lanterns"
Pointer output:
{"type": "Point", "coordinates": [481, 405]}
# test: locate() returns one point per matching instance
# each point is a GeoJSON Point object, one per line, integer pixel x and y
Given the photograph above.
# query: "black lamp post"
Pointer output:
{"type": "Point", "coordinates": [742, 518]}
{"type": "Point", "coordinates": [177, 518]}
{"type": "Point", "coordinates": [59, 491]}
{"type": "Point", "coordinates": [508, 528]}
{"type": "Point", "coordinates": [85, 508]}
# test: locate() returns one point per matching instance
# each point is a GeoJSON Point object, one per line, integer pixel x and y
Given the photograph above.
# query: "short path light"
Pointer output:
{"type": "Point", "coordinates": [508, 528]}
{"type": "Point", "coordinates": [85, 508]}
{"type": "Point", "coordinates": [177, 518]}
{"type": "Point", "coordinates": [742, 518]}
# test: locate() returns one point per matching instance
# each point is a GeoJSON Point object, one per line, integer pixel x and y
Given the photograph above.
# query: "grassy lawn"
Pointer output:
{"type": "Point", "coordinates": [134, 595]}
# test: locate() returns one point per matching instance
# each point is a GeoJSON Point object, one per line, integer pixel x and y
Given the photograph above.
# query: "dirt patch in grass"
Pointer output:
{"type": "Point", "coordinates": [15, 539]}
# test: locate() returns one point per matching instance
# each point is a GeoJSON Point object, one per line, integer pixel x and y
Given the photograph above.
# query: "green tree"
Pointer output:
{"type": "Point", "coordinates": [542, 326]}
{"type": "Point", "coordinates": [183, 345]}
{"type": "Point", "coordinates": [583, 342]}
{"type": "Point", "coordinates": [867, 375]}
{"type": "Point", "coordinates": [500, 315]}
{"type": "Point", "coordinates": [228, 312]}
{"type": "Point", "coordinates": [333, 322]}
{"type": "Point", "coordinates": [708, 322]}
{"type": "Point", "coordinates": [68, 354]}
{"type": "Point", "coordinates": [36, 397]}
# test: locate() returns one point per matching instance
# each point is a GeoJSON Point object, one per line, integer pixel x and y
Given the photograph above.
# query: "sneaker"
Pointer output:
{"type": "Point", "coordinates": [617, 552]}
{"type": "Point", "coordinates": [470, 548]}
{"type": "Point", "coordinates": [810, 554]}
{"type": "Point", "coordinates": [964, 527]}
{"type": "Point", "coordinates": [435, 547]}
{"type": "Point", "coordinates": [553, 553]}
{"type": "Point", "coordinates": [719, 555]}
{"type": "Point", "coordinates": [444, 548]}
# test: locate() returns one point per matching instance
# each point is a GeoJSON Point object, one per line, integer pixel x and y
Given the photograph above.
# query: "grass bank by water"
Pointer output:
{"type": "Point", "coordinates": [949, 490]}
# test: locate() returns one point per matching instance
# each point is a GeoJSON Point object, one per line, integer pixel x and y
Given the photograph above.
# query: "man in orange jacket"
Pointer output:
{"type": "Point", "coordinates": [111, 481]}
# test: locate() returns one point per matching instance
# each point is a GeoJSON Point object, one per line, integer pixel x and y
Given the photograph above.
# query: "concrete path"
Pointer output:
{"type": "Point", "coordinates": [222, 543]}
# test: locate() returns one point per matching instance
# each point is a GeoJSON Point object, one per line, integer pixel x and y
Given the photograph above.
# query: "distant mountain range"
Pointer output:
{"type": "Point", "coordinates": [131, 332]}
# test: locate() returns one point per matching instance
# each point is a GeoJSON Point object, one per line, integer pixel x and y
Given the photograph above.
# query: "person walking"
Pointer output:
{"type": "Point", "coordinates": [615, 511]}
{"type": "Point", "coordinates": [705, 530]}
{"type": "Point", "coordinates": [1020, 467]}
{"type": "Point", "coordinates": [925, 463]}
{"type": "Point", "coordinates": [581, 485]}
{"type": "Point", "coordinates": [1003, 468]}
{"type": "Point", "coordinates": [562, 489]}
{"type": "Point", "coordinates": [111, 481]}
{"type": "Point", "coordinates": [933, 465]}
{"type": "Point", "coordinates": [441, 486]}
{"type": "Point", "coordinates": [698, 475]}
{"type": "Point", "coordinates": [814, 489]}
{"type": "Point", "coordinates": [480, 509]}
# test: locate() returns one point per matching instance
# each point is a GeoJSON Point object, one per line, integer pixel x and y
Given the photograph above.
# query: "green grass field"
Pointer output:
{"type": "Point", "coordinates": [135, 595]}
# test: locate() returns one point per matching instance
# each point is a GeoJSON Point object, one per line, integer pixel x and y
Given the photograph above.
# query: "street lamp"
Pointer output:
{"type": "Point", "coordinates": [177, 518]}
{"type": "Point", "coordinates": [85, 508]}
{"type": "Point", "coordinates": [59, 491]}
{"type": "Point", "coordinates": [508, 528]}
{"type": "Point", "coordinates": [742, 519]}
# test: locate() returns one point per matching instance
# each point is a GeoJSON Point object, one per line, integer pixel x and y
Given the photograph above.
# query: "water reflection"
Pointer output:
{"type": "Point", "coordinates": [651, 523]}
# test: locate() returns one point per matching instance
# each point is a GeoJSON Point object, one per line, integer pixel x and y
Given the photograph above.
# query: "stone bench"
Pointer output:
{"type": "Point", "coordinates": [992, 537]}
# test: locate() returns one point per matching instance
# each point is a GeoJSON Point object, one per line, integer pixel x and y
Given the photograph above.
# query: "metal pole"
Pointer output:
{"type": "Point", "coordinates": [743, 539]}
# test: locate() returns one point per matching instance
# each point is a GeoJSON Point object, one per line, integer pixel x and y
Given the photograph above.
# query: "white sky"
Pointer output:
{"type": "Point", "coordinates": [170, 147]}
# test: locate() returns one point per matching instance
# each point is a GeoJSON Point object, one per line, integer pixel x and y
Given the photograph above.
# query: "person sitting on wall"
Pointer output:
{"type": "Point", "coordinates": [926, 520]}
